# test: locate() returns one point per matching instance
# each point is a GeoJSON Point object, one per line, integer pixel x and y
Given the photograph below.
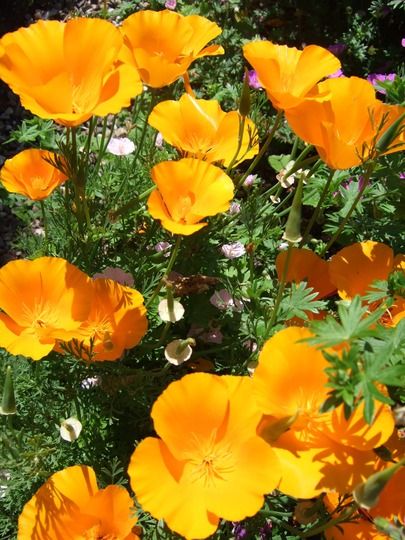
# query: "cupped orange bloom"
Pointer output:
{"type": "Point", "coordinates": [203, 130]}
{"type": "Point", "coordinates": [68, 71]}
{"type": "Point", "coordinates": [286, 73]}
{"type": "Point", "coordinates": [317, 451]}
{"type": "Point", "coordinates": [117, 321]}
{"type": "Point", "coordinates": [354, 268]}
{"type": "Point", "coordinates": [71, 506]}
{"type": "Point", "coordinates": [42, 300]}
{"type": "Point", "coordinates": [305, 265]}
{"type": "Point", "coordinates": [209, 462]}
{"type": "Point", "coordinates": [29, 173]}
{"type": "Point", "coordinates": [188, 191]}
{"type": "Point", "coordinates": [163, 44]}
{"type": "Point", "coordinates": [343, 140]}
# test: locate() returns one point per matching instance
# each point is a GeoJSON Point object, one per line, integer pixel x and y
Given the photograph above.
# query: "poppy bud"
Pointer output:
{"type": "Point", "coordinates": [244, 104]}
{"type": "Point", "coordinates": [390, 134]}
{"type": "Point", "coordinates": [8, 405]}
{"type": "Point", "coordinates": [293, 226]}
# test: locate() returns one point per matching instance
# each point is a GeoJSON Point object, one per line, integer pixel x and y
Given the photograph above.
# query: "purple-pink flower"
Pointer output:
{"type": "Point", "coordinates": [170, 4]}
{"type": "Point", "coordinates": [234, 250]}
{"type": "Point", "coordinates": [336, 74]}
{"type": "Point", "coordinates": [253, 79]}
{"type": "Point", "coordinates": [376, 78]}
{"type": "Point", "coordinates": [116, 274]}
{"type": "Point", "coordinates": [223, 300]}
{"type": "Point", "coordinates": [337, 48]}
{"type": "Point", "coordinates": [403, 42]}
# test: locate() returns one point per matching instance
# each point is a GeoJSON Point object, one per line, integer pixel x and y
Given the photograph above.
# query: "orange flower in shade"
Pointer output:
{"type": "Point", "coordinates": [71, 506]}
{"type": "Point", "coordinates": [163, 44]}
{"type": "Point", "coordinates": [68, 71]}
{"type": "Point", "coordinates": [209, 462]}
{"type": "Point", "coordinates": [117, 320]}
{"type": "Point", "coordinates": [29, 173]}
{"type": "Point", "coordinates": [317, 451]}
{"type": "Point", "coordinates": [203, 130]}
{"type": "Point", "coordinates": [286, 73]}
{"type": "Point", "coordinates": [343, 140]}
{"type": "Point", "coordinates": [305, 265]}
{"type": "Point", "coordinates": [188, 191]}
{"type": "Point", "coordinates": [43, 300]}
{"type": "Point", "coordinates": [390, 506]}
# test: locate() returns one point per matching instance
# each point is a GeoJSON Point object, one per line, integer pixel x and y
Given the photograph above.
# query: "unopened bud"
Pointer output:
{"type": "Point", "coordinates": [390, 134]}
{"type": "Point", "coordinates": [368, 493]}
{"type": "Point", "coordinates": [293, 226]}
{"type": "Point", "coordinates": [8, 405]}
{"type": "Point", "coordinates": [244, 104]}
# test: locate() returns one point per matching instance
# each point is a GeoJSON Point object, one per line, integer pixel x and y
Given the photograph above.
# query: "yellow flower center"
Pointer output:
{"type": "Point", "coordinates": [40, 317]}
{"type": "Point", "coordinates": [39, 183]}
{"type": "Point", "coordinates": [94, 533]}
{"type": "Point", "coordinates": [183, 207]}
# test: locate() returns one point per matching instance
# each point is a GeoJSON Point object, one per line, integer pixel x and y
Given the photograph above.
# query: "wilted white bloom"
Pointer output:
{"type": "Point", "coordinates": [163, 247]}
{"type": "Point", "coordinates": [176, 314]}
{"type": "Point", "coordinates": [159, 140]}
{"type": "Point", "coordinates": [274, 199]}
{"type": "Point", "coordinates": [249, 180]}
{"type": "Point", "coordinates": [283, 246]}
{"type": "Point", "coordinates": [234, 208]}
{"type": "Point", "coordinates": [70, 429]}
{"type": "Point", "coordinates": [120, 146]}
{"type": "Point", "coordinates": [224, 300]}
{"type": "Point", "coordinates": [90, 382]}
{"type": "Point", "coordinates": [287, 180]}
{"type": "Point", "coordinates": [251, 367]}
{"type": "Point", "coordinates": [170, 4]}
{"type": "Point", "coordinates": [179, 350]}
{"type": "Point", "coordinates": [116, 274]}
{"type": "Point", "coordinates": [234, 250]}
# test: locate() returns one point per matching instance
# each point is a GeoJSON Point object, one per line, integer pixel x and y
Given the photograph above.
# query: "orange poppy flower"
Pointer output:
{"type": "Point", "coordinates": [117, 320]}
{"type": "Point", "coordinates": [68, 71]}
{"type": "Point", "coordinates": [209, 463]}
{"type": "Point", "coordinates": [305, 265]}
{"type": "Point", "coordinates": [29, 173]}
{"type": "Point", "coordinates": [163, 44]}
{"type": "Point", "coordinates": [354, 268]}
{"type": "Point", "coordinates": [286, 73]}
{"type": "Point", "coordinates": [203, 130]}
{"type": "Point", "coordinates": [343, 140]}
{"type": "Point", "coordinates": [317, 451]}
{"type": "Point", "coordinates": [70, 505]}
{"type": "Point", "coordinates": [188, 191]}
{"type": "Point", "coordinates": [43, 300]}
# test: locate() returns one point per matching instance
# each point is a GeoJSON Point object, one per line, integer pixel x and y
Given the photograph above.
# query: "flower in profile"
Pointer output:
{"type": "Point", "coordinates": [201, 469]}
{"type": "Point", "coordinates": [29, 173]}
{"type": "Point", "coordinates": [318, 451]}
{"type": "Point", "coordinates": [163, 44]}
{"type": "Point", "coordinates": [68, 71]}
{"type": "Point", "coordinates": [188, 191]}
{"type": "Point", "coordinates": [116, 274]}
{"type": "Point", "coordinates": [376, 78]}
{"type": "Point", "coordinates": [117, 321]}
{"type": "Point", "coordinates": [286, 73]}
{"type": "Point", "coordinates": [234, 250]}
{"type": "Point", "coordinates": [70, 505]}
{"type": "Point", "coordinates": [170, 315]}
{"type": "Point", "coordinates": [120, 146]}
{"type": "Point", "coordinates": [250, 180]}
{"type": "Point", "coordinates": [179, 351]}
{"type": "Point", "coordinates": [70, 429]}
{"type": "Point", "coordinates": [42, 301]}
{"type": "Point", "coordinates": [341, 141]}
{"type": "Point", "coordinates": [201, 129]}
{"type": "Point", "coordinates": [253, 79]}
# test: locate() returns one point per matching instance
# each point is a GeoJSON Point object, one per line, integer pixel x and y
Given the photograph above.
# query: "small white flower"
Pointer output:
{"type": "Point", "coordinates": [90, 382]}
{"type": "Point", "coordinates": [234, 208]}
{"type": "Point", "coordinates": [159, 140]}
{"type": "Point", "coordinates": [179, 351]}
{"type": "Point", "coordinates": [250, 345]}
{"type": "Point", "coordinates": [224, 300]}
{"type": "Point", "coordinates": [249, 180]}
{"type": "Point", "coordinates": [70, 429]}
{"type": "Point", "coordinates": [234, 250]}
{"type": "Point", "coordinates": [120, 146]}
{"type": "Point", "coordinates": [274, 199]}
{"type": "Point", "coordinates": [163, 247]}
{"type": "Point", "coordinates": [116, 274]}
{"type": "Point", "coordinates": [175, 315]}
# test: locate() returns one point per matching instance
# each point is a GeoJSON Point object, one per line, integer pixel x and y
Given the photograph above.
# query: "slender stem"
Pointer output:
{"type": "Point", "coordinates": [144, 128]}
{"type": "Point", "coordinates": [280, 291]}
{"type": "Point", "coordinates": [315, 214]}
{"type": "Point", "coordinates": [132, 203]}
{"type": "Point", "coordinates": [242, 120]}
{"type": "Point", "coordinates": [167, 271]}
{"type": "Point", "coordinates": [263, 149]}
{"type": "Point", "coordinates": [367, 177]}
{"type": "Point", "coordinates": [44, 221]}
{"type": "Point", "coordinates": [294, 148]}
{"type": "Point", "coordinates": [344, 516]}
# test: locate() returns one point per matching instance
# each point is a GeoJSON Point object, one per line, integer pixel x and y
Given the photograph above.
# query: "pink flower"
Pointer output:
{"type": "Point", "coordinates": [116, 274]}
{"type": "Point", "coordinates": [403, 42]}
{"type": "Point", "coordinates": [338, 73]}
{"type": "Point", "coordinates": [234, 250]}
{"type": "Point", "coordinates": [159, 140]}
{"type": "Point", "coordinates": [249, 180]}
{"type": "Point", "coordinates": [234, 208]}
{"type": "Point", "coordinates": [120, 146]}
{"type": "Point", "coordinates": [376, 78]}
{"type": "Point", "coordinates": [170, 4]}
{"type": "Point", "coordinates": [253, 79]}
{"type": "Point", "coordinates": [163, 247]}
{"type": "Point", "coordinates": [223, 300]}
{"type": "Point", "coordinates": [250, 345]}
{"type": "Point", "coordinates": [337, 49]}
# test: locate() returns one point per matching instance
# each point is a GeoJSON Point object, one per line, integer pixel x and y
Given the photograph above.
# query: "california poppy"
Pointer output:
{"type": "Point", "coordinates": [42, 300]}
{"type": "Point", "coordinates": [203, 130]}
{"type": "Point", "coordinates": [31, 174]}
{"type": "Point", "coordinates": [163, 44]}
{"type": "Point", "coordinates": [207, 464]}
{"type": "Point", "coordinates": [343, 140]}
{"type": "Point", "coordinates": [318, 451]}
{"type": "Point", "coordinates": [70, 505]}
{"type": "Point", "coordinates": [68, 71]}
{"type": "Point", "coordinates": [286, 73]}
{"type": "Point", "coordinates": [188, 191]}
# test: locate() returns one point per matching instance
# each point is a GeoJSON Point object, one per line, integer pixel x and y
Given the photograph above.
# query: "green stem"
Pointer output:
{"type": "Point", "coordinates": [280, 291]}
{"type": "Point", "coordinates": [344, 516]}
{"type": "Point", "coordinates": [44, 221]}
{"type": "Point", "coordinates": [367, 177]}
{"type": "Point", "coordinates": [263, 149]}
{"type": "Point", "coordinates": [315, 214]}
{"type": "Point", "coordinates": [167, 271]}
{"type": "Point", "coordinates": [144, 129]}
{"type": "Point", "coordinates": [132, 203]}
{"type": "Point", "coordinates": [242, 120]}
